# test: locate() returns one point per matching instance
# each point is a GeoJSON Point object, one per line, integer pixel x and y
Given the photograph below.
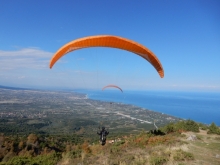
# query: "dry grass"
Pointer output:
{"type": "Point", "coordinates": [206, 149]}
{"type": "Point", "coordinates": [157, 150]}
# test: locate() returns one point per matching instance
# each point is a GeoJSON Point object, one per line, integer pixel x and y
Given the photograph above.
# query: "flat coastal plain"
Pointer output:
{"type": "Point", "coordinates": [60, 112]}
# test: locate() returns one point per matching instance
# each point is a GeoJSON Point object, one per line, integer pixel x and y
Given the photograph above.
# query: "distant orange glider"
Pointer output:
{"type": "Point", "coordinates": [112, 86]}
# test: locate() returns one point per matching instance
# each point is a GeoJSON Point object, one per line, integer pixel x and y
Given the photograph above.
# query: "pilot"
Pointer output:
{"type": "Point", "coordinates": [103, 133]}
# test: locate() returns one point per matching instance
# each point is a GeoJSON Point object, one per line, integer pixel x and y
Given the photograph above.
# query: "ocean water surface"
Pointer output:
{"type": "Point", "coordinates": [202, 107]}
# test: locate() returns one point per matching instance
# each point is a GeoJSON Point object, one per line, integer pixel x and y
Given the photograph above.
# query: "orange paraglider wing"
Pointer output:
{"type": "Point", "coordinates": [113, 86]}
{"type": "Point", "coordinates": [112, 42]}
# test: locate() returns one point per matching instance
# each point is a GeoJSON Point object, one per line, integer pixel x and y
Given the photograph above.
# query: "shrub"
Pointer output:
{"type": "Point", "coordinates": [213, 129]}
{"type": "Point", "coordinates": [203, 126]}
{"type": "Point", "coordinates": [181, 155]}
{"type": "Point", "coordinates": [188, 125]}
{"type": "Point", "coordinates": [86, 148]}
{"type": "Point", "coordinates": [18, 160]}
{"type": "Point", "coordinates": [32, 138]}
{"type": "Point", "coordinates": [159, 160]}
{"type": "Point", "coordinates": [74, 154]}
{"type": "Point", "coordinates": [50, 159]}
{"type": "Point", "coordinates": [114, 149]}
{"type": "Point", "coordinates": [191, 126]}
{"type": "Point", "coordinates": [170, 128]}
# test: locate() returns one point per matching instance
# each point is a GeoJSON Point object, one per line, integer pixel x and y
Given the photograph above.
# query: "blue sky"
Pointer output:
{"type": "Point", "coordinates": [184, 35]}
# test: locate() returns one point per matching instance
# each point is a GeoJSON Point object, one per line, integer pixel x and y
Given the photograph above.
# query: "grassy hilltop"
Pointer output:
{"type": "Point", "coordinates": [184, 142]}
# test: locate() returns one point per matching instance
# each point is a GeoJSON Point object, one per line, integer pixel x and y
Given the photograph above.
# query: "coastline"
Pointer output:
{"type": "Point", "coordinates": [198, 106]}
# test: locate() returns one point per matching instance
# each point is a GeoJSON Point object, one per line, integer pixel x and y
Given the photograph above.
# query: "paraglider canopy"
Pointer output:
{"type": "Point", "coordinates": [112, 86]}
{"type": "Point", "coordinates": [112, 42]}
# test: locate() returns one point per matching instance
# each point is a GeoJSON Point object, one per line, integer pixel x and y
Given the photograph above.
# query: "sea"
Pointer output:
{"type": "Point", "coordinates": [203, 107]}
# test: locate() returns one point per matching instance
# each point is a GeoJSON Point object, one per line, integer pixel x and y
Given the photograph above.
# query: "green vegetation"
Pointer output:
{"type": "Point", "coordinates": [181, 126]}
{"type": "Point", "coordinates": [181, 155]}
{"type": "Point", "coordinates": [158, 160]}
{"type": "Point", "coordinates": [49, 159]}
{"type": "Point", "coordinates": [203, 126]}
{"type": "Point", "coordinates": [213, 129]}
{"type": "Point", "coordinates": [153, 147]}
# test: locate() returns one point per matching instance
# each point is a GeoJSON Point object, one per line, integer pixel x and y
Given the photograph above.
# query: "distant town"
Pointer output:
{"type": "Point", "coordinates": [58, 112]}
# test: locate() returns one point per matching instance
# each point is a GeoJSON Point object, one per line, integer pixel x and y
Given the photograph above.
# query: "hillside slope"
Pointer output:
{"type": "Point", "coordinates": [176, 148]}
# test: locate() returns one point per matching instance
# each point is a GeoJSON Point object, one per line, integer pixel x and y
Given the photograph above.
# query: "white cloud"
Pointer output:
{"type": "Point", "coordinates": [32, 58]}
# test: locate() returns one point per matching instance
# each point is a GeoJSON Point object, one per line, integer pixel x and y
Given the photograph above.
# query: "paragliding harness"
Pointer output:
{"type": "Point", "coordinates": [103, 133]}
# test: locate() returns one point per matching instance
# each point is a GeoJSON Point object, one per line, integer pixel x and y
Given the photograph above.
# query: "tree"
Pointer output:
{"type": "Point", "coordinates": [192, 126]}
{"type": "Point", "coordinates": [213, 129]}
